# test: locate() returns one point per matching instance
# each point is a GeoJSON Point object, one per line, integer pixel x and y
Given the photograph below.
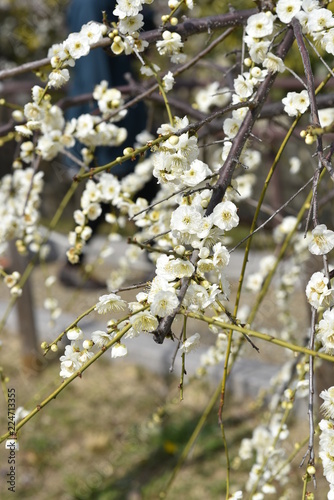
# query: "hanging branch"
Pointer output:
{"type": "Point", "coordinates": [225, 176]}
{"type": "Point", "coordinates": [239, 142]}
{"type": "Point", "coordinates": [188, 28]}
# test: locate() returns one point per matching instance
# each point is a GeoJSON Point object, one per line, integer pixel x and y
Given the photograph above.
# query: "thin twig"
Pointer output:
{"type": "Point", "coordinates": [188, 28]}
{"type": "Point", "coordinates": [319, 56]}
{"type": "Point", "coordinates": [310, 450]}
{"type": "Point", "coordinates": [273, 215]}
{"type": "Point", "coordinates": [226, 172]}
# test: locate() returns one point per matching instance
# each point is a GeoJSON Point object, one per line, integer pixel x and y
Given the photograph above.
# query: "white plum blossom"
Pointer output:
{"type": "Point", "coordinates": [164, 303]}
{"type": "Point", "coordinates": [317, 292]}
{"type": "Point", "coordinates": [225, 215]}
{"type": "Point", "coordinates": [144, 322]}
{"type": "Point", "coordinates": [284, 228]}
{"type": "Point", "coordinates": [287, 9]}
{"type": "Point", "coordinates": [326, 452]}
{"type": "Point", "coordinates": [221, 256]}
{"type": "Point", "coordinates": [320, 20]}
{"type": "Point", "coordinates": [93, 211]}
{"type": "Point", "coordinates": [327, 41]}
{"type": "Point", "coordinates": [327, 406]}
{"type": "Point", "coordinates": [231, 127]}
{"type": "Point", "coordinates": [74, 333]}
{"type": "Point", "coordinates": [170, 268]}
{"type": "Point", "coordinates": [93, 31]}
{"type": "Point", "coordinates": [196, 173]}
{"type": "Point", "coordinates": [70, 361]}
{"type": "Point", "coordinates": [295, 164]}
{"type": "Point", "coordinates": [196, 298]}
{"type": "Point", "coordinates": [110, 302]}
{"type": "Point", "coordinates": [322, 240]}
{"type": "Point", "coordinates": [326, 116]}
{"type": "Point", "coordinates": [236, 496]}
{"type": "Point", "coordinates": [186, 219]}
{"type": "Point", "coordinates": [243, 86]}
{"type": "Point", "coordinates": [190, 344]}
{"type": "Point", "coordinates": [296, 103]}
{"type": "Point", "coordinates": [77, 45]}
{"type": "Point", "coordinates": [309, 5]}
{"type": "Point", "coordinates": [325, 331]}
{"type": "Point", "coordinates": [118, 350]}
{"type": "Point", "coordinates": [273, 63]}
{"type": "Point", "coordinates": [258, 49]}
{"type": "Point", "coordinates": [130, 24]}
{"type": "Point", "coordinates": [260, 25]}
{"type": "Point", "coordinates": [126, 8]}
{"type": "Point", "coordinates": [254, 282]}
{"type": "Point", "coordinates": [100, 338]}
{"type": "Point", "coordinates": [210, 96]}
{"type": "Point", "coordinates": [170, 44]}
{"type": "Point", "coordinates": [205, 265]}
{"type": "Point", "coordinates": [20, 413]}
{"type": "Point", "coordinates": [168, 81]}
{"type": "Point", "coordinates": [58, 78]}
{"type": "Point", "coordinates": [149, 71]}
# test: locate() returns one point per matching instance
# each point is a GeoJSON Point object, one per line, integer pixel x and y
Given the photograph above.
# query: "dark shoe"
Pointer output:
{"type": "Point", "coordinates": [75, 277]}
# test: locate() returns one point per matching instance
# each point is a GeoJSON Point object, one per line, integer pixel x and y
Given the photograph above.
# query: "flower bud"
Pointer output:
{"type": "Point", "coordinates": [87, 344]}
{"type": "Point", "coordinates": [179, 249]}
{"type": "Point", "coordinates": [128, 151]}
{"type": "Point", "coordinates": [173, 140]}
{"type": "Point", "coordinates": [311, 470]}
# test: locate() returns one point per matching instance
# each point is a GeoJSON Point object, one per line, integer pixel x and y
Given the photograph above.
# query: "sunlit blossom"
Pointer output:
{"type": "Point", "coordinates": [111, 302]}
{"type": "Point", "coordinates": [322, 240]}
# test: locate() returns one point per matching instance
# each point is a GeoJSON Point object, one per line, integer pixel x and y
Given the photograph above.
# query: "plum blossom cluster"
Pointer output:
{"type": "Point", "coordinates": [189, 241]}
{"type": "Point", "coordinates": [270, 463]}
{"type": "Point", "coordinates": [19, 209]}
{"type": "Point", "coordinates": [320, 295]}
{"type": "Point", "coordinates": [11, 281]}
{"type": "Point", "coordinates": [55, 135]}
{"type": "Point", "coordinates": [216, 353]}
{"type": "Point", "coordinates": [177, 161]}
{"type": "Point", "coordinates": [108, 189]}
{"type": "Point", "coordinates": [211, 96]}
{"type": "Point", "coordinates": [267, 443]}
{"type": "Point", "coordinates": [81, 350]}
{"type": "Point", "coordinates": [126, 37]}
{"type": "Point", "coordinates": [318, 291]}
{"type": "Point", "coordinates": [76, 45]}
{"type": "Point", "coordinates": [245, 86]}
{"type": "Point", "coordinates": [326, 442]}
{"type": "Point", "coordinates": [171, 45]}
{"type": "Point", "coordinates": [261, 28]}
{"type": "Point", "coordinates": [255, 280]}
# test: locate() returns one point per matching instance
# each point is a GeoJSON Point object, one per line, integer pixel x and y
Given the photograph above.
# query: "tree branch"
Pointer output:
{"type": "Point", "coordinates": [242, 136]}
{"type": "Point", "coordinates": [188, 28]}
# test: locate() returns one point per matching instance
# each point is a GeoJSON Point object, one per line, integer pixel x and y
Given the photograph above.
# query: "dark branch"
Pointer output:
{"type": "Point", "coordinates": [188, 28]}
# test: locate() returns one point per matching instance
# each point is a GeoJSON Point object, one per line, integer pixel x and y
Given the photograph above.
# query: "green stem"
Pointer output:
{"type": "Point", "coordinates": [257, 211]}
{"type": "Point", "coordinates": [120, 159]}
{"type": "Point", "coordinates": [66, 382]}
{"type": "Point", "coordinates": [259, 335]}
